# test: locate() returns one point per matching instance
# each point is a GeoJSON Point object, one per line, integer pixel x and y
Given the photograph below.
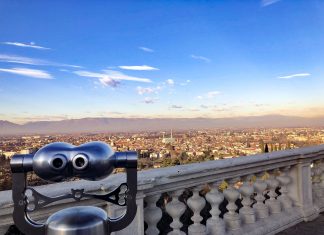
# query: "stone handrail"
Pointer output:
{"type": "Point", "coordinates": [265, 194]}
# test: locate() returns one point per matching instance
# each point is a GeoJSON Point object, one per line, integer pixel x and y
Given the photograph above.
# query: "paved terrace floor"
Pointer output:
{"type": "Point", "coordinates": [315, 227]}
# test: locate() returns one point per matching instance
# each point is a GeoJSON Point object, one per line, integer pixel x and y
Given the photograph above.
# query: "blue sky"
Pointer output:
{"type": "Point", "coordinates": [74, 59]}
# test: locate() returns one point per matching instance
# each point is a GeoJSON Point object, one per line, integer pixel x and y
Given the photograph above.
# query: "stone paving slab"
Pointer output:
{"type": "Point", "coordinates": [315, 227]}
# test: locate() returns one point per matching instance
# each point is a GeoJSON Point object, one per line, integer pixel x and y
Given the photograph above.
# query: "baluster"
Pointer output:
{"type": "Point", "coordinates": [273, 204]}
{"type": "Point", "coordinates": [261, 209]}
{"type": "Point", "coordinates": [321, 166]}
{"type": "Point", "coordinates": [196, 203]}
{"type": "Point", "coordinates": [231, 217]}
{"type": "Point", "coordinates": [247, 212]}
{"type": "Point", "coordinates": [317, 171]}
{"type": "Point", "coordinates": [284, 180]}
{"type": "Point", "coordinates": [215, 225]}
{"type": "Point", "coordinates": [175, 209]}
{"type": "Point", "coordinates": [152, 214]}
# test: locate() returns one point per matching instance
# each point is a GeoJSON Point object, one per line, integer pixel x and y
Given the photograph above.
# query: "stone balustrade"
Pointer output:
{"type": "Point", "coordinates": [260, 194]}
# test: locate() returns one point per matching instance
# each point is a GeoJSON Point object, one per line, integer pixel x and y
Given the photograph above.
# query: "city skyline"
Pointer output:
{"type": "Point", "coordinates": [62, 60]}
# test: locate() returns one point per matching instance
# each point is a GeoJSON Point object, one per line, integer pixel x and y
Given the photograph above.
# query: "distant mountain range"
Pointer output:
{"type": "Point", "coordinates": [109, 125]}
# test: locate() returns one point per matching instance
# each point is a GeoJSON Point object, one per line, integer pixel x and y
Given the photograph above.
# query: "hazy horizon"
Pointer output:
{"type": "Point", "coordinates": [32, 120]}
{"type": "Point", "coordinates": [116, 125]}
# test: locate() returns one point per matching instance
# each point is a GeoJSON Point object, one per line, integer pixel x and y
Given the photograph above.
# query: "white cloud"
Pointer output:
{"type": "Point", "coordinates": [176, 106]}
{"type": "Point", "coordinates": [104, 79]}
{"type": "Point", "coordinates": [170, 82]}
{"type": "Point", "coordinates": [145, 90]}
{"type": "Point", "coordinates": [21, 60]}
{"type": "Point", "coordinates": [30, 45]}
{"type": "Point", "coordinates": [149, 100]}
{"type": "Point", "coordinates": [121, 76]}
{"type": "Point", "coordinates": [110, 77]}
{"type": "Point", "coordinates": [212, 94]}
{"type": "Point", "coordinates": [107, 81]}
{"type": "Point", "coordinates": [138, 67]}
{"type": "Point", "coordinates": [34, 73]}
{"type": "Point", "coordinates": [208, 95]}
{"type": "Point", "coordinates": [295, 75]}
{"type": "Point", "coordinates": [146, 49]}
{"type": "Point", "coordinates": [199, 57]}
{"type": "Point", "coordinates": [185, 83]}
{"type": "Point", "coordinates": [266, 3]}
{"type": "Point", "coordinates": [68, 65]}
{"type": "Point", "coordinates": [149, 90]}
{"type": "Point", "coordinates": [31, 61]}
{"type": "Point", "coordinates": [204, 106]}
{"type": "Point", "coordinates": [83, 73]}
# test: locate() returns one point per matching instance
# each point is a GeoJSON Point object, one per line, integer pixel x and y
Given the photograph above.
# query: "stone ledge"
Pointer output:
{"type": "Point", "coordinates": [153, 177]}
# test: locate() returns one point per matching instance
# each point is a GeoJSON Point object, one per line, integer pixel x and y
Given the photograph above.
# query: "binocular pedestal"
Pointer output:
{"type": "Point", "coordinates": [80, 220]}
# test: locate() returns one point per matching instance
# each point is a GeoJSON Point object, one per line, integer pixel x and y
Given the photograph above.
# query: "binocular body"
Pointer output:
{"type": "Point", "coordinates": [61, 161]}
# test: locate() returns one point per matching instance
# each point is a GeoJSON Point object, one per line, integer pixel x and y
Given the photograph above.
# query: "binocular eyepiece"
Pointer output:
{"type": "Point", "coordinates": [90, 161]}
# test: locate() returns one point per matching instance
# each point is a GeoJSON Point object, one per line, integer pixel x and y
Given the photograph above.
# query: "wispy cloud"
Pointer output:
{"type": "Point", "coordinates": [149, 100]}
{"type": "Point", "coordinates": [185, 83]}
{"type": "Point", "coordinates": [146, 49]}
{"type": "Point", "coordinates": [291, 76]}
{"type": "Point", "coordinates": [212, 94]}
{"type": "Point", "coordinates": [167, 84]}
{"type": "Point", "coordinates": [121, 76]}
{"type": "Point", "coordinates": [144, 90]}
{"type": "Point", "coordinates": [138, 67]}
{"type": "Point", "coordinates": [193, 110]}
{"type": "Point", "coordinates": [34, 73]}
{"type": "Point", "coordinates": [170, 82]}
{"type": "Point", "coordinates": [199, 57]}
{"type": "Point", "coordinates": [208, 95]}
{"type": "Point", "coordinates": [148, 90]}
{"type": "Point", "coordinates": [265, 3]}
{"type": "Point", "coordinates": [32, 61]}
{"type": "Point", "coordinates": [176, 106]}
{"type": "Point", "coordinates": [110, 77]}
{"type": "Point", "coordinates": [21, 60]}
{"type": "Point", "coordinates": [30, 45]}
{"type": "Point", "coordinates": [204, 106]}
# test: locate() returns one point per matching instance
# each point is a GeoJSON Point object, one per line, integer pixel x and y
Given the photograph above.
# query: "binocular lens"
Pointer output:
{"type": "Point", "coordinates": [57, 163]}
{"type": "Point", "coordinates": [80, 162]}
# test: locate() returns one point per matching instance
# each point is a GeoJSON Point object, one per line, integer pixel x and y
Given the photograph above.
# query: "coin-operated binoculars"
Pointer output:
{"type": "Point", "coordinates": [60, 161]}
